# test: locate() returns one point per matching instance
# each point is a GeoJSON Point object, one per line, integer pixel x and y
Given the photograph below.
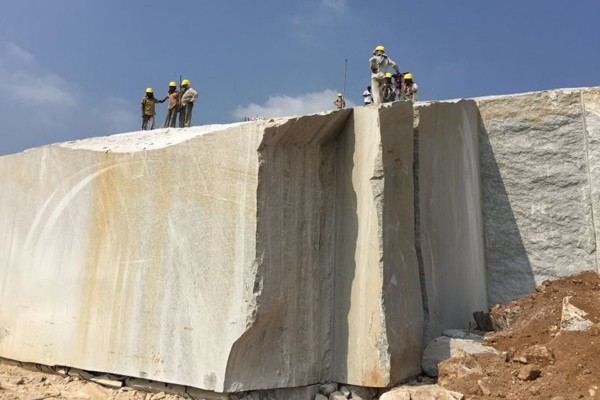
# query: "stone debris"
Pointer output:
{"type": "Point", "coordinates": [461, 334]}
{"type": "Point", "coordinates": [529, 372]}
{"type": "Point", "coordinates": [424, 392]}
{"type": "Point", "coordinates": [461, 366]}
{"type": "Point", "coordinates": [537, 354]}
{"type": "Point", "coordinates": [361, 392]}
{"type": "Point", "coordinates": [483, 386]}
{"type": "Point", "coordinates": [345, 391]}
{"type": "Point", "coordinates": [337, 396]}
{"type": "Point", "coordinates": [503, 316]}
{"type": "Point", "coordinates": [442, 348]}
{"type": "Point", "coordinates": [327, 388]}
{"type": "Point", "coordinates": [320, 396]}
{"type": "Point", "coordinates": [573, 318]}
{"type": "Point", "coordinates": [483, 321]}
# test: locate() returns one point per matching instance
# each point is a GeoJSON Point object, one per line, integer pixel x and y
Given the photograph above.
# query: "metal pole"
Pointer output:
{"type": "Point", "coordinates": [345, 71]}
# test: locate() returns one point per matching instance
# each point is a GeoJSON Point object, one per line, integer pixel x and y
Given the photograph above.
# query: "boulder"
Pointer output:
{"type": "Point", "coordinates": [187, 227]}
{"type": "Point", "coordinates": [461, 366]}
{"type": "Point", "coordinates": [573, 318]}
{"type": "Point", "coordinates": [424, 392]}
{"type": "Point", "coordinates": [442, 348]}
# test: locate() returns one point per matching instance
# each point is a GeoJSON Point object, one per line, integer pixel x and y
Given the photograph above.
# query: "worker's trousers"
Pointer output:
{"type": "Point", "coordinates": [171, 119]}
{"type": "Point", "coordinates": [185, 115]}
{"type": "Point", "coordinates": [376, 89]}
{"type": "Point", "coordinates": [147, 119]}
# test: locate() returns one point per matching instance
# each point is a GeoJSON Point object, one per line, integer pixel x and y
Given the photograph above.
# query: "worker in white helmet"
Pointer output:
{"type": "Point", "coordinates": [339, 103]}
{"type": "Point", "coordinates": [379, 64]}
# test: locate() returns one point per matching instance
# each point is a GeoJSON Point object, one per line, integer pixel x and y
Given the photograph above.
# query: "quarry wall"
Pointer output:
{"type": "Point", "coordinates": [282, 253]}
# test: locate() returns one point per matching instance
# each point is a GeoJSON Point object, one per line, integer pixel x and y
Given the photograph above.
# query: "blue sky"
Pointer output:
{"type": "Point", "coordinates": [72, 69]}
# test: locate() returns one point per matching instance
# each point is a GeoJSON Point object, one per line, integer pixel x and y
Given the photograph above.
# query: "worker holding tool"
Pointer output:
{"type": "Point", "coordinates": [410, 88]}
{"type": "Point", "coordinates": [187, 97]}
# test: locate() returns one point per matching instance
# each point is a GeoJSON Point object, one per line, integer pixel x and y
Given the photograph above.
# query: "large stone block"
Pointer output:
{"type": "Point", "coordinates": [229, 258]}
{"type": "Point", "coordinates": [536, 190]}
{"type": "Point", "coordinates": [378, 319]}
{"type": "Point", "coordinates": [450, 214]}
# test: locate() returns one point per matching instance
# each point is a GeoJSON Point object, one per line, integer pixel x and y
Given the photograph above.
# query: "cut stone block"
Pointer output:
{"type": "Point", "coordinates": [226, 258]}
{"type": "Point", "coordinates": [451, 218]}
{"type": "Point", "coordinates": [536, 188]}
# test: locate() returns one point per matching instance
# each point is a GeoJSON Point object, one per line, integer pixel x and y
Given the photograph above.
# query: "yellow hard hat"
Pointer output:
{"type": "Point", "coordinates": [339, 95]}
{"type": "Point", "coordinates": [379, 48]}
{"type": "Point", "coordinates": [388, 75]}
{"type": "Point", "coordinates": [185, 82]}
{"type": "Point", "coordinates": [172, 83]}
{"type": "Point", "coordinates": [408, 76]}
{"type": "Point", "coordinates": [149, 90]}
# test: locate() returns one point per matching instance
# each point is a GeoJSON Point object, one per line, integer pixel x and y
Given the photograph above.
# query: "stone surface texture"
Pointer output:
{"type": "Point", "coordinates": [539, 174]}
{"type": "Point", "coordinates": [284, 253]}
{"type": "Point", "coordinates": [214, 257]}
{"type": "Point", "coordinates": [451, 218]}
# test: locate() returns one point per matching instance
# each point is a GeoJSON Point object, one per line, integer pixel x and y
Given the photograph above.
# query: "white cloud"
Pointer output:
{"type": "Point", "coordinates": [29, 83]}
{"type": "Point", "coordinates": [308, 25]}
{"type": "Point", "coordinates": [18, 54]}
{"type": "Point", "coordinates": [336, 5]}
{"type": "Point", "coordinates": [118, 115]}
{"type": "Point", "coordinates": [281, 106]}
{"type": "Point", "coordinates": [48, 89]}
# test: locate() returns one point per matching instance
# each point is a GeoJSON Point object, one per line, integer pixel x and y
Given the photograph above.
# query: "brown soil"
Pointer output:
{"type": "Point", "coordinates": [569, 361]}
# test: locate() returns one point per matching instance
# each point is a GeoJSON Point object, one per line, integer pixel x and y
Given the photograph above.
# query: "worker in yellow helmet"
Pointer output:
{"type": "Point", "coordinates": [173, 96]}
{"type": "Point", "coordinates": [339, 102]}
{"type": "Point", "coordinates": [187, 97]}
{"type": "Point", "coordinates": [148, 109]}
{"type": "Point", "coordinates": [409, 88]}
{"type": "Point", "coordinates": [388, 92]}
{"type": "Point", "coordinates": [379, 64]}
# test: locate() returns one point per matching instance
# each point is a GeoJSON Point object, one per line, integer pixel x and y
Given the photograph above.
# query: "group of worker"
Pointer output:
{"type": "Point", "coordinates": [181, 103]}
{"type": "Point", "coordinates": [382, 89]}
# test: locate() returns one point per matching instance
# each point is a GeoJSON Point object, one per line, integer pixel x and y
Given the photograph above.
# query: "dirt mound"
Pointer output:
{"type": "Point", "coordinates": [538, 360]}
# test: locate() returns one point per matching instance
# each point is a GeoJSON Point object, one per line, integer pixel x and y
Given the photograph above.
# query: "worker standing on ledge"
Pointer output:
{"type": "Point", "coordinates": [340, 102]}
{"type": "Point", "coordinates": [388, 91]}
{"type": "Point", "coordinates": [410, 88]}
{"type": "Point", "coordinates": [173, 96]}
{"type": "Point", "coordinates": [368, 96]}
{"type": "Point", "coordinates": [148, 109]}
{"type": "Point", "coordinates": [187, 97]}
{"type": "Point", "coordinates": [379, 64]}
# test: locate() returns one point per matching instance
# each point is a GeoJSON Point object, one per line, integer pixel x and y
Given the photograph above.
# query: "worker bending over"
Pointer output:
{"type": "Point", "coordinates": [379, 64]}
{"type": "Point", "coordinates": [409, 88]}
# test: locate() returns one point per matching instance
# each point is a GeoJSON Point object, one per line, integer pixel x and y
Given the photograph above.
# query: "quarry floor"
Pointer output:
{"type": "Point", "coordinates": [569, 362]}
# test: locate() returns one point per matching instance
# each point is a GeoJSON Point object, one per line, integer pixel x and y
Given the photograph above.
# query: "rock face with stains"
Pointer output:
{"type": "Point", "coordinates": [284, 253]}
{"type": "Point", "coordinates": [230, 258]}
